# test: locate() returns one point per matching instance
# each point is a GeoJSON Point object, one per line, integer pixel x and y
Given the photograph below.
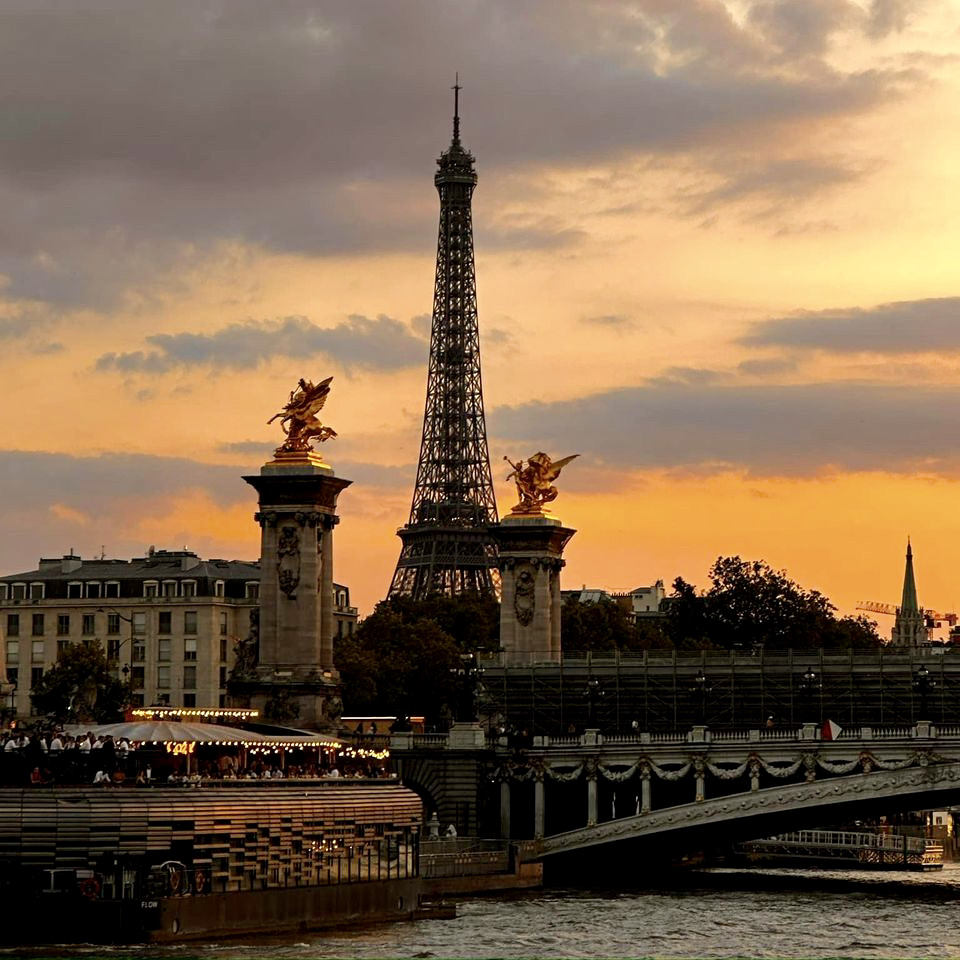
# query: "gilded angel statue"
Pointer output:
{"type": "Point", "coordinates": [535, 480]}
{"type": "Point", "coordinates": [298, 418]}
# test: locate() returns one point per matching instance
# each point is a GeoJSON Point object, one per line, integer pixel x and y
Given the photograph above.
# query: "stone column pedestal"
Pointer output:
{"type": "Point", "coordinates": [294, 672]}
{"type": "Point", "coordinates": [531, 557]}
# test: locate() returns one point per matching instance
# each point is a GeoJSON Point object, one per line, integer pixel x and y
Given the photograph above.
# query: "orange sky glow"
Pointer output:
{"type": "Point", "coordinates": [716, 256]}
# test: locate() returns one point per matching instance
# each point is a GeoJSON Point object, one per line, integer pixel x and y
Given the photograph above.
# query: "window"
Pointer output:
{"type": "Point", "coordinates": [169, 588]}
{"type": "Point", "coordinates": [62, 648]}
{"type": "Point", "coordinates": [93, 590]}
{"type": "Point", "coordinates": [149, 588]}
{"type": "Point", "coordinates": [223, 677]}
{"type": "Point", "coordinates": [163, 649]}
{"type": "Point", "coordinates": [4, 588]}
{"type": "Point", "coordinates": [189, 699]}
{"type": "Point", "coordinates": [252, 590]}
{"type": "Point", "coordinates": [138, 624]}
{"type": "Point", "coordinates": [223, 649]}
{"type": "Point", "coordinates": [113, 623]}
{"type": "Point", "coordinates": [190, 621]}
{"type": "Point", "coordinates": [190, 648]}
{"type": "Point", "coordinates": [74, 590]}
{"type": "Point", "coordinates": [13, 675]}
{"type": "Point", "coordinates": [13, 651]}
{"type": "Point", "coordinates": [36, 591]}
{"type": "Point", "coordinates": [223, 623]}
{"type": "Point", "coordinates": [63, 624]}
{"type": "Point", "coordinates": [164, 622]}
{"type": "Point", "coordinates": [89, 625]}
{"type": "Point", "coordinates": [112, 589]}
{"type": "Point", "coordinates": [189, 678]}
{"type": "Point", "coordinates": [36, 675]}
{"type": "Point", "coordinates": [113, 648]}
{"type": "Point", "coordinates": [136, 699]}
{"type": "Point", "coordinates": [339, 629]}
{"type": "Point", "coordinates": [222, 700]}
{"type": "Point", "coordinates": [37, 629]}
{"type": "Point", "coordinates": [218, 588]}
{"type": "Point", "coordinates": [163, 678]}
{"type": "Point", "coordinates": [188, 588]}
{"type": "Point", "coordinates": [36, 651]}
{"type": "Point", "coordinates": [13, 624]}
{"type": "Point", "coordinates": [139, 654]}
{"type": "Point", "coordinates": [137, 678]}
{"type": "Point", "coordinates": [19, 591]}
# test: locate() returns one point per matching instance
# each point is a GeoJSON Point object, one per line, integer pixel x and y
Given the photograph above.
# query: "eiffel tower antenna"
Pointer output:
{"type": "Point", "coordinates": [447, 547]}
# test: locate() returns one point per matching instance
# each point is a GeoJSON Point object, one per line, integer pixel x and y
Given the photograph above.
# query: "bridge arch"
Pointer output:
{"type": "Point", "coordinates": [765, 812]}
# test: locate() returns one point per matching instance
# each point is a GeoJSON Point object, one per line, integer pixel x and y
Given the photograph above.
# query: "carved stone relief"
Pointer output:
{"type": "Point", "coordinates": [288, 560]}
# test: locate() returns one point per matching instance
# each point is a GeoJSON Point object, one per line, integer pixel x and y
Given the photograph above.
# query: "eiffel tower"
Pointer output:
{"type": "Point", "coordinates": [447, 547]}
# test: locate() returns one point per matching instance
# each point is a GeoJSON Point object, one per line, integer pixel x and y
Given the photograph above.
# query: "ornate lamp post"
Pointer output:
{"type": "Point", "coordinates": [809, 686]}
{"type": "Point", "coordinates": [124, 672]}
{"type": "Point", "coordinates": [593, 692]}
{"type": "Point", "coordinates": [468, 676]}
{"type": "Point", "coordinates": [923, 683]}
{"type": "Point", "coordinates": [701, 689]}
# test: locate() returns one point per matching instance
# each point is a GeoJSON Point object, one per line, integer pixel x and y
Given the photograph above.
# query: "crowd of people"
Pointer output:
{"type": "Point", "coordinates": [57, 757]}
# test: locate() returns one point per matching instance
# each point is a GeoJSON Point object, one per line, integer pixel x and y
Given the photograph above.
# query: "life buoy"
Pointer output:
{"type": "Point", "coordinates": [175, 879]}
{"type": "Point", "coordinates": [200, 881]}
{"type": "Point", "coordinates": [90, 888]}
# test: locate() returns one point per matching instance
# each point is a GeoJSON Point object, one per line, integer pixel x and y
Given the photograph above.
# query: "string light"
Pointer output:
{"type": "Point", "coordinates": [160, 713]}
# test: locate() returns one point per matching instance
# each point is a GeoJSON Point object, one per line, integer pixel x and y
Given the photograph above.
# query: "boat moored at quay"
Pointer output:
{"type": "Point", "coordinates": [170, 863]}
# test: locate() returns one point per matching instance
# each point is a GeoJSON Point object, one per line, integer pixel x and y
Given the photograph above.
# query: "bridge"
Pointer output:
{"type": "Point", "coordinates": [684, 789]}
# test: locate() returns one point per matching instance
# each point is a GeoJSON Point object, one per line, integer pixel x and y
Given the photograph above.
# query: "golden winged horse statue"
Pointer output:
{"type": "Point", "coordinates": [298, 418]}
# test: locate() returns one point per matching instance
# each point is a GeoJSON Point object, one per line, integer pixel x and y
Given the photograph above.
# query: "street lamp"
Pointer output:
{"type": "Point", "coordinates": [468, 676]}
{"type": "Point", "coordinates": [125, 671]}
{"type": "Point", "coordinates": [593, 692]}
{"type": "Point", "coordinates": [809, 685]}
{"type": "Point", "coordinates": [923, 682]}
{"type": "Point", "coordinates": [701, 688]}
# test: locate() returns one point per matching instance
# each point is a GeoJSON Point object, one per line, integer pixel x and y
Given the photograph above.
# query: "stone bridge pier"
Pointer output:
{"type": "Point", "coordinates": [452, 774]}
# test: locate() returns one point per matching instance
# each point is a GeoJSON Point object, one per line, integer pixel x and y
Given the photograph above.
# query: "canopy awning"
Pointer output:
{"type": "Point", "coordinates": [167, 731]}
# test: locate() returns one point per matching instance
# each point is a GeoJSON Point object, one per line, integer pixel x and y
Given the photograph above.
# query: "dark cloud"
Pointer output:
{"type": "Point", "coordinates": [359, 342]}
{"type": "Point", "coordinates": [691, 375]}
{"type": "Point", "coordinates": [149, 135]}
{"type": "Point", "coordinates": [767, 429]}
{"type": "Point", "coordinates": [767, 367]}
{"type": "Point", "coordinates": [904, 327]}
{"type": "Point", "coordinates": [63, 501]}
{"type": "Point", "coordinates": [610, 321]}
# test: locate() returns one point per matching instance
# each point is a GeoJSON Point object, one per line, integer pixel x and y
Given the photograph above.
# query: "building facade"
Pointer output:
{"type": "Point", "coordinates": [168, 622]}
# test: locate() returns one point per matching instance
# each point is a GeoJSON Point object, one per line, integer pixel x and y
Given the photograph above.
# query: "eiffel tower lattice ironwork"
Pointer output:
{"type": "Point", "coordinates": [447, 548]}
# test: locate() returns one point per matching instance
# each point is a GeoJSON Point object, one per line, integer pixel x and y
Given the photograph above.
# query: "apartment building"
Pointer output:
{"type": "Point", "coordinates": [168, 622]}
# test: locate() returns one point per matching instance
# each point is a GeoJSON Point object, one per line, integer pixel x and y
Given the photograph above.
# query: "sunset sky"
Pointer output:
{"type": "Point", "coordinates": [716, 256]}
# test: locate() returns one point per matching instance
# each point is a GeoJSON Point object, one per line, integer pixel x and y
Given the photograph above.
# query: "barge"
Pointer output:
{"type": "Point", "coordinates": [178, 863]}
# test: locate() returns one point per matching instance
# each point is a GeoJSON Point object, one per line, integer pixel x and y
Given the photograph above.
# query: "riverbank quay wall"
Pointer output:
{"type": "Point", "coordinates": [163, 858]}
{"type": "Point", "coordinates": [667, 690]}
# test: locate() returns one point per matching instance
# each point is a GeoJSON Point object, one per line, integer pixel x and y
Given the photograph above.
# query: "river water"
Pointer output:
{"type": "Point", "coordinates": [710, 913]}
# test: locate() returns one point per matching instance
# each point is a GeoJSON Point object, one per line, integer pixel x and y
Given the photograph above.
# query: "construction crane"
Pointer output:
{"type": "Point", "coordinates": [933, 617]}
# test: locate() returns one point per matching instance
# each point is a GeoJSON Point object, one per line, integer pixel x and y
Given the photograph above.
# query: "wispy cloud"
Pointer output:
{"type": "Point", "coordinates": [796, 429]}
{"type": "Point", "coordinates": [357, 343]}
{"type": "Point", "coordinates": [904, 327]}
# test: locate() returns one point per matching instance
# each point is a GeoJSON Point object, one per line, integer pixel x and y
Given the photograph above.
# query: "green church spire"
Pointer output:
{"type": "Point", "coordinates": [908, 603]}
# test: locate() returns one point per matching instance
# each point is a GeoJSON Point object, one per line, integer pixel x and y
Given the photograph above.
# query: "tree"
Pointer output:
{"type": "Point", "coordinates": [595, 625]}
{"type": "Point", "coordinates": [81, 687]}
{"type": "Point", "coordinates": [403, 658]}
{"type": "Point", "coordinates": [749, 606]}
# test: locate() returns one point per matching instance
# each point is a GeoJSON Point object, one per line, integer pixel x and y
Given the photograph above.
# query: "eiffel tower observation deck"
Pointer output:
{"type": "Point", "coordinates": [447, 545]}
